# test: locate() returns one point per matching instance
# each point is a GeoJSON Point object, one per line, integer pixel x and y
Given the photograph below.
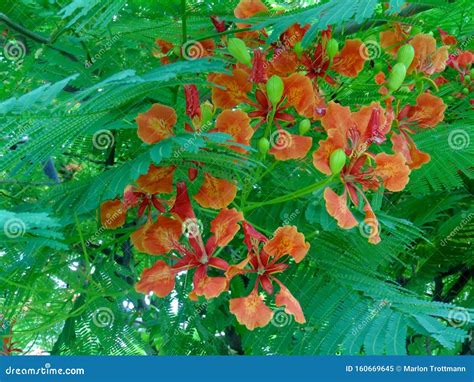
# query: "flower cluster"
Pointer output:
{"type": "Point", "coordinates": [272, 98]}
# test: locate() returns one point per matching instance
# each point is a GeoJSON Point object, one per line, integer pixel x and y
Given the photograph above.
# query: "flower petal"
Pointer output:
{"type": "Point", "coordinates": [215, 193]}
{"type": "Point", "coordinates": [291, 304]}
{"type": "Point", "coordinates": [224, 226]}
{"type": "Point", "coordinates": [251, 311]}
{"type": "Point", "coordinates": [405, 146]}
{"type": "Point", "coordinates": [349, 61]}
{"type": "Point", "coordinates": [428, 111]}
{"type": "Point", "coordinates": [158, 179]}
{"type": "Point", "coordinates": [158, 279]}
{"type": "Point", "coordinates": [299, 93]}
{"type": "Point", "coordinates": [156, 124]}
{"type": "Point", "coordinates": [248, 8]}
{"type": "Point", "coordinates": [210, 287]}
{"type": "Point", "coordinates": [237, 124]}
{"type": "Point", "coordinates": [161, 236]}
{"type": "Point", "coordinates": [287, 241]}
{"type": "Point", "coordinates": [291, 146]}
{"type": "Point", "coordinates": [113, 214]}
{"type": "Point", "coordinates": [337, 207]}
{"type": "Point", "coordinates": [231, 89]}
{"type": "Point", "coordinates": [393, 170]}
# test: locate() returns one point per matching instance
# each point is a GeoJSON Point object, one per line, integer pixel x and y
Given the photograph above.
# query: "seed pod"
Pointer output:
{"type": "Point", "coordinates": [304, 126]}
{"type": "Point", "coordinates": [332, 48]}
{"type": "Point", "coordinates": [274, 89]}
{"type": "Point", "coordinates": [263, 145]}
{"type": "Point", "coordinates": [337, 160]}
{"type": "Point", "coordinates": [298, 49]}
{"type": "Point", "coordinates": [238, 50]}
{"type": "Point", "coordinates": [397, 76]}
{"type": "Point", "coordinates": [405, 55]}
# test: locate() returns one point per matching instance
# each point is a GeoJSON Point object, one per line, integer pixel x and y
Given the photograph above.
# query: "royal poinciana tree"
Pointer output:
{"type": "Point", "coordinates": [244, 177]}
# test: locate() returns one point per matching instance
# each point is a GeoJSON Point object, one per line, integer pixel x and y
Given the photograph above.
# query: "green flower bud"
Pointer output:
{"type": "Point", "coordinates": [405, 89]}
{"type": "Point", "coordinates": [405, 55]}
{"type": "Point", "coordinates": [397, 76]}
{"type": "Point", "coordinates": [274, 89]}
{"type": "Point", "coordinates": [378, 66]}
{"type": "Point", "coordinates": [298, 49]}
{"type": "Point", "coordinates": [304, 126]}
{"type": "Point", "coordinates": [263, 145]}
{"type": "Point", "coordinates": [450, 98]}
{"type": "Point", "coordinates": [465, 91]}
{"type": "Point", "coordinates": [467, 78]}
{"type": "Point", "coordinates": [207, 112]}
{"type": "Point", "coordinates": [239, 51]}
{"type": "Point", "coordinates": [332, 48]}
{"type": "Point", "coordinates": [471, 73]}
{"type": "Point", "coordinates": [337, 160]}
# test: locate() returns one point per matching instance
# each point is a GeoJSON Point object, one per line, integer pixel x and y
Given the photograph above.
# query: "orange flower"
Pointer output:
{"type": "Point", "coordinates": [428, 111]}
{"type": "Point", "coordinates": [337, 207]}
{"type": "Point", "coordinates": [249, 8]}
{"type": "Point", "coordinates": [156, 124]}
{"type": "Point", "coordinates": [237, 124]}
{"type": "Point", "coordinates": [230, 90]}
{"type": "Point", "coordinates": [224, 226]}
{"type": "Point", "coordinates": [113, 214]}
{"type": "Point", "coordinates": [287, 241]}
{"type": "Point", "coordinates": [158, 279]}
{"type": "Point", "coordinates": [299, 93]}
{"type": "Point", "coordinates": [138, 236]}
{"type": "Point", "coordinates": [402, 143]}
{"type": "Point", "coordinates": [157, 180]}
{"type": "Point", "coordinates": [283, 63]}
{"type": "Point", "coordinates": [292, 306]}
{"type": "Point", "coordinates": [266, 262]}
{"type": "Point", "coordinates": [215, 193]}
{"type": "Point", "coordinates": [427, 58]}
{"type": "Point", "coordinates": [251, 311]}
{"type": "Point", "coordinates": [393, 171]}
{"type": "Point", "coordinates": [392, 39]}
{"type": "Point", "coordinates": [293, 34]}
{"type": "Point", "coordinates": [210, 287]}
{"type": "Point", "coordinates": [349, 61]}
{"type": "Point", "coordinates": [380, 78]}
{"type": "Point", "coordinates": [290, 146]}
{"type": "Point", "coordinates": [162, 236]}
{"type": "Point", "coordinates": [371, 225]}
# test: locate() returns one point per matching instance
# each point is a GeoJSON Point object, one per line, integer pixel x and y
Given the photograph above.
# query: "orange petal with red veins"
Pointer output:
{"type": "Point", "coordinates": [157, 180]}
{"type": "Point", "coordinates": [215, 193]}
{"type": "Point", "coordinates": [299, 93]}
{"type": "Point", "coordinates": [291, 304]}
{"type": "Point", "coordinates": [414, 157]}
{"type": "Point", "coordinates": [224, 226]}
{"type": "Point", "coordinates": [283, 63]}
{"type": "Point", "coordinates": [231, 89]}
{"type": "Point", "coordinates": [161, 236]}
{"type": "Point", "coordinates": [362, 118]}
{"type": "Point", "coordinates": [210, 287]}
{"type": "Point", "coordinates": [427, 58]}
{"type": "Point", "coordinates": [292, 146]}
{"type": "Point", "coordinates": [156, 124]}
{"type": "Point", "coordinates": [337, 118]}
{"type": "Point", "coordinates": [251, 311]}
{"type": "Point", "coordinates": [337, 207]}
{"type": "Point", "coordinates": [248, 8]}
{"type": "Point", "coordinates": [393, 170]}
{"type": "Point", "coordinates": [113, 214]}
{"type": "Point", "coordinates": [428, 111]}
{"type": "Point", "coordinates": [391, 40]}
{"type": "Point", "coordinates": [237, 124]}
{"type": "Point", "coordinates": [138, 236]}
{"type": "Point", "coordinates": [287, 241]}
{"type": "Point", "coordinates": [158, 279]}
{"type": "Point", "coordinates": [349, 61]}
